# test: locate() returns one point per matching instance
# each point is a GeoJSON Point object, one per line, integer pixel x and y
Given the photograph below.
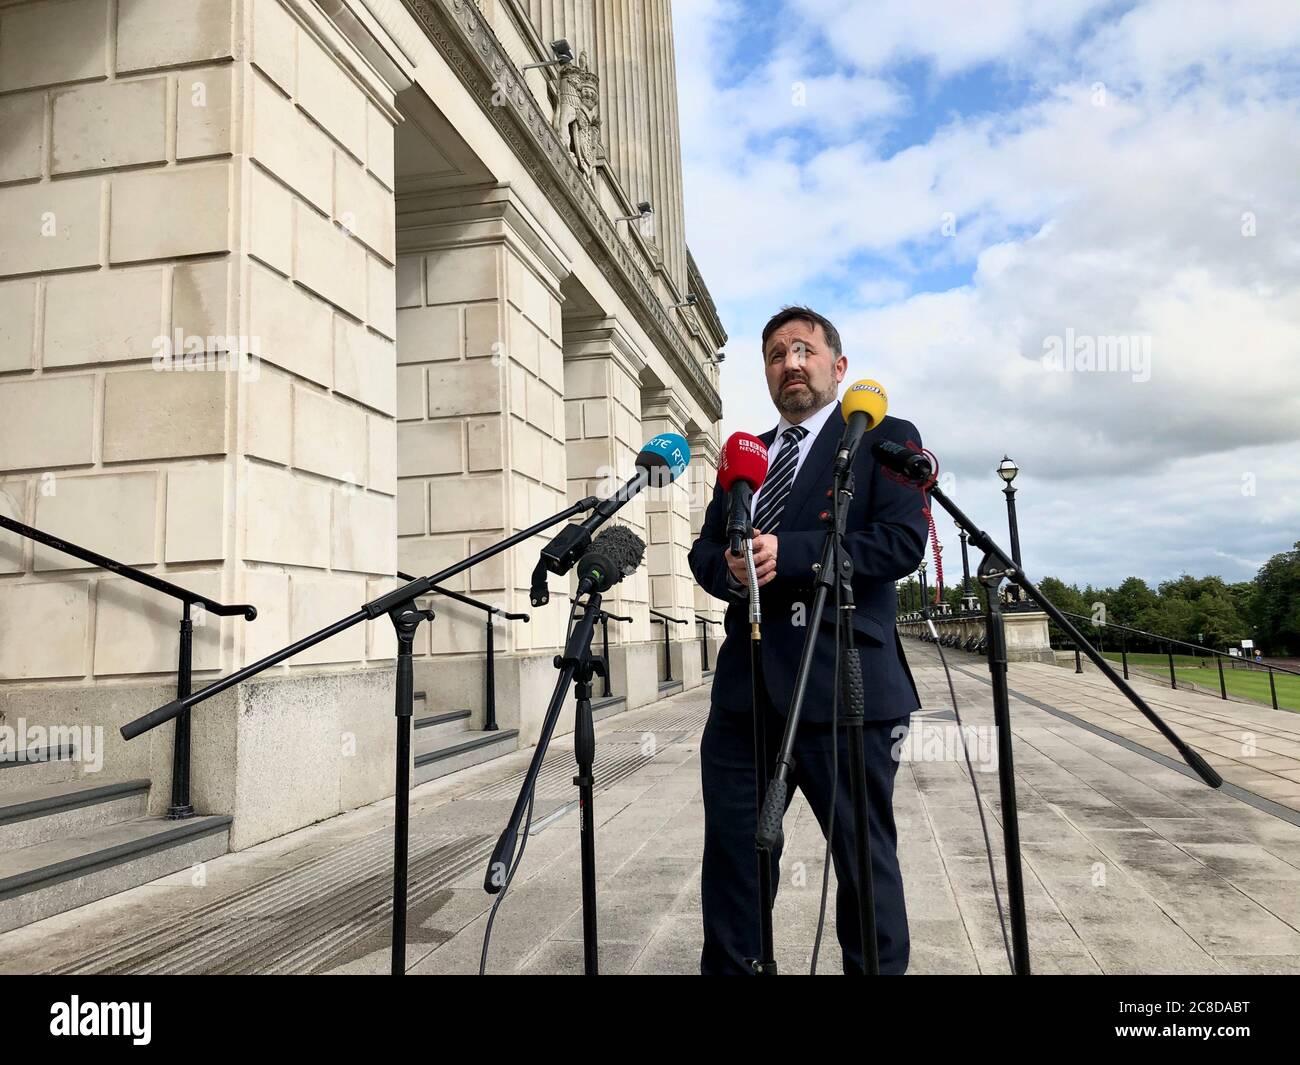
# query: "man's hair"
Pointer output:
{"type": "Point", "coordinates": [803, 314]}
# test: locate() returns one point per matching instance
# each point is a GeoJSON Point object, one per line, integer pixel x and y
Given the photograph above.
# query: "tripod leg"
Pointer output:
{"type": "Point", "coordinates": [997, 657]}
{"type": "Point", "coordinates": [862, 843]}
{"type": "Point", "coordinates": [765, 964]}
{"type": "Point", "coordinates": [852, 701]}
{"type": "Point", "coordinates": [406, 620]}
{"type": "Point", "coordinates": [401, 836]}
{"type": "Point", "coordinates": [584, 749]}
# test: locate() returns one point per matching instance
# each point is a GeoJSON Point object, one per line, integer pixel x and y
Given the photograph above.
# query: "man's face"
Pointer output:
{"type": "Point", "coordinates": [803, 374]}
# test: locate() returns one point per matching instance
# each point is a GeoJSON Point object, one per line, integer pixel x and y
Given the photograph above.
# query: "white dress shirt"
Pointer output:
{"type": "Point", "coordinates": [814, 424]}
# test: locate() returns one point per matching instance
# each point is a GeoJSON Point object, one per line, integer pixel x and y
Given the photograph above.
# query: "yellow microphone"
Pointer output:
{"type": "Point", "coordinates": [863, 407]}
{"type": "Point", "coordinates": [868, 398]}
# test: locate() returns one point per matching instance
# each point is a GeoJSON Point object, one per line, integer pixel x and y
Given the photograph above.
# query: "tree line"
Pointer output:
{"type": "Point", "coordinates": [1203, 610]}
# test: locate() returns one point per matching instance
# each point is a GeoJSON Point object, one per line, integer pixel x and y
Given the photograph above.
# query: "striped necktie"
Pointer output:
{"type": "Point", "coordinates": [776, 488]}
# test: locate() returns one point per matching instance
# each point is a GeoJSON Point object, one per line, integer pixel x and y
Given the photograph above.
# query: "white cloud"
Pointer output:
{"type": "Point", "coordinates": [952, 36]}
{"type": "Point", "coordinates": [1168, 213]}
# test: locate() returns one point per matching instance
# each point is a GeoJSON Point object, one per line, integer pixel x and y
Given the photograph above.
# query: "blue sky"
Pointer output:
{"type": "Point", "coordinates": [962, 186]}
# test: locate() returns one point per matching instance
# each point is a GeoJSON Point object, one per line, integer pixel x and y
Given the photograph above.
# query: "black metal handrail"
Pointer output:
{"type": "Point", "coordinates": [490, 652]}
{"type": "Point", "coordinates": [181, 807]}
{"type": "Point", "coordinates": [1169, 643]}
{"type": "Point", "coordinates": [658, 617]}
{"type": "Point", "coordinates": [704, 640]}
{"type": "Point", "coordinates": [129, 572]}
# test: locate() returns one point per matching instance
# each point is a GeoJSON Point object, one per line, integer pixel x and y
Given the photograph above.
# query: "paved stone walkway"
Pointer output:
{"type": "Point", "coordinates": [1130, 865]}
{"type": "Point", "coordinates": [1251, 745]}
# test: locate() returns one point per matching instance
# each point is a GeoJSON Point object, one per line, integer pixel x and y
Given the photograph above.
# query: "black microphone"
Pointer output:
{"type": "Point", "coordinates": [912, 465]}
{"type": "Point", "coordinates": [661, 460]}
{"type": "Point", "coordinates": [613, 555]}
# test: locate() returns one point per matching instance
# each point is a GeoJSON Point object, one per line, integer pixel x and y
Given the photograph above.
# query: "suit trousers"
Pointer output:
{"type": "Point", "coordinates": [730, 884]}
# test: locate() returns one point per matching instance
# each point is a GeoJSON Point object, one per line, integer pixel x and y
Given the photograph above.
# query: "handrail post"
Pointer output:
{"type": "Point", "coordinates": [668, 654]}
{"type": "Point", "coordinates": [606, 690]}
{"type": "Point", "coordinates": [1272, 686]}
{"type": "Point", "coordinates": [1078, 662]}
{"type": "Point", "coordinates": [490, 673]}
{"type": "Point", "coordinates": [1123, 654]}
{"type": "Point", "coordinates": [1173, 677]}
{"type": "Point", "coordinates": [1223, 686]}
{"type": "Point", "coordinates": [704, 645]}
{"type": "Point", "coordinates": [181, 807]}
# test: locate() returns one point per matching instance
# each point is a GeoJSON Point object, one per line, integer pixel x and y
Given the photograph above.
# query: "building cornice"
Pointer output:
{"type": "Point", "coordinates": [705, 306]}
{"type": "Point", "coordinates": [462, 35]}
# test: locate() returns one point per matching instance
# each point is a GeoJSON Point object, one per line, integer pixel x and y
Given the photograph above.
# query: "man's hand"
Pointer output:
{"type": "Point", "coordinates": [764, 560]}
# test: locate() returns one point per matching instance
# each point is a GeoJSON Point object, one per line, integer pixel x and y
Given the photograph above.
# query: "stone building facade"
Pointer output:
{"type": "Point", "coordinates": [296, 294]}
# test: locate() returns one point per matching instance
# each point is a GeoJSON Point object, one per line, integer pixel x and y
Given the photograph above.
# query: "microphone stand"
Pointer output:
{"type": "Point", "coordinates": [765, 963]}
{"type": "Point", "coordinates": [995, 566]}
{"type": "Point", "coordinates": [835, 565]}
{"type": "Point", "coordinates": [577, 665]}
{"type": "Point", "coordinates": [399, 605]}
{"type": "Point", "coordinates": [848, 670]}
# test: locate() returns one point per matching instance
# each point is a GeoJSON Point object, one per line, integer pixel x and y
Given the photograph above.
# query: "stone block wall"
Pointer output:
{"type": "Point", "coordinates": [197, 355]}
{"type": "Point", "coordinates": [168, 196]}
{"type": "Point", "coordinates": [480, 378]}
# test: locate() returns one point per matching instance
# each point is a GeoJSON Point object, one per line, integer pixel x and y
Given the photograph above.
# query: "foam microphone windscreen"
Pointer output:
{"type": "Point", "coordinates": [744, 458]}
{"type": "Point", "coordinates": [867, 397]}
{"type": "Point", "coordinates": [624, 547]}
{"type": "Point", "coordinates": [615, 553]}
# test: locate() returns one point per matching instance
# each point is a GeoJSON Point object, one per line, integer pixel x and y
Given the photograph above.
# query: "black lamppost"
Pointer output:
{"type": "Point", "coordinates": [1007, 470]}
{"type": "Point", "coordinates": [925, 599]}
{"type": "Point", "coordinates": [968, 600]}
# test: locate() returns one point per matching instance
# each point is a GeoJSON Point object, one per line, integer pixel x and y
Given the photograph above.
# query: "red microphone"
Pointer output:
{"type": "Point", "coordinates": [741, 473]}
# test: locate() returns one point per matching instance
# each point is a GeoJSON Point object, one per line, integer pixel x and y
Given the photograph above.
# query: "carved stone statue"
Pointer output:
{"type": "Point", "coordinates": [577, 116]}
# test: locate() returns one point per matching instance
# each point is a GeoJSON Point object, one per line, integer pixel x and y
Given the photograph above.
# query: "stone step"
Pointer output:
{"type": "Point", "coordinates": [603, 708]}
{"type": "Point", "coordinates": [36, 766]}
{"type": "Point", "coordinates": [669, 687]}
{"type": "Point", "coordinates": [448, 723]}
{"type": "Point", "coordinates": [436, 756]}
{"type": "Point", "coordinates": [48, 878]}
{"type": "Point", "coordinates": [53, 811]}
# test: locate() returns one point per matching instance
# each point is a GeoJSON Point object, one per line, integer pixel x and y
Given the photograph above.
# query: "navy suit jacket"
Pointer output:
{"type": "Point", "coordinates": [885, 534]}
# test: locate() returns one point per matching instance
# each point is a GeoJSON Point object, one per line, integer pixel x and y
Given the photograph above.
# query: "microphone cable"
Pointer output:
{"type": "Point", "coordinates": [956, 710]}
{"type": "Point", "coordinates": [835, 745]}
{"type": "Point", "coordinates": [523, 846]}
{"type": "Point", "coordinates": [979, 803]}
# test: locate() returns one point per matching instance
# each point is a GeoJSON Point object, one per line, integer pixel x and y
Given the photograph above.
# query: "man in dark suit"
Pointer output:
{"type": "Point", "coordinates": [885, 535]}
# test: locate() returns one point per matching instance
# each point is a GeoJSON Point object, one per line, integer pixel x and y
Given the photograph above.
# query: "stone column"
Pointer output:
{"type": "Point", "coordinates": [638, 85]}
{"type": "Point", "coordinates": [619, 26]}
{"type": "Point", "coordinates": [572, 20]}
{"type": "Point", "coordinates": [481, 439]}
{"type": "Point", "coordinates": [1027, 636]}
{"type": "Point", "coordinates": [665, 139]}
{"type": "Point", "coordinates": [602, 404]}
{"type": "Point", "coordinates": [190, 188]}
{"type": "Point", "coordinates": [705, 453]}
{"type": "Point", "coordinates": [669, 524]}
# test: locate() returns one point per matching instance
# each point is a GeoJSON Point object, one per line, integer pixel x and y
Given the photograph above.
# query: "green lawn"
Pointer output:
{"type": "Point", "coordinates": [1248, 684]}
{"type": "Point", "coordinates": [1162, 661]}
